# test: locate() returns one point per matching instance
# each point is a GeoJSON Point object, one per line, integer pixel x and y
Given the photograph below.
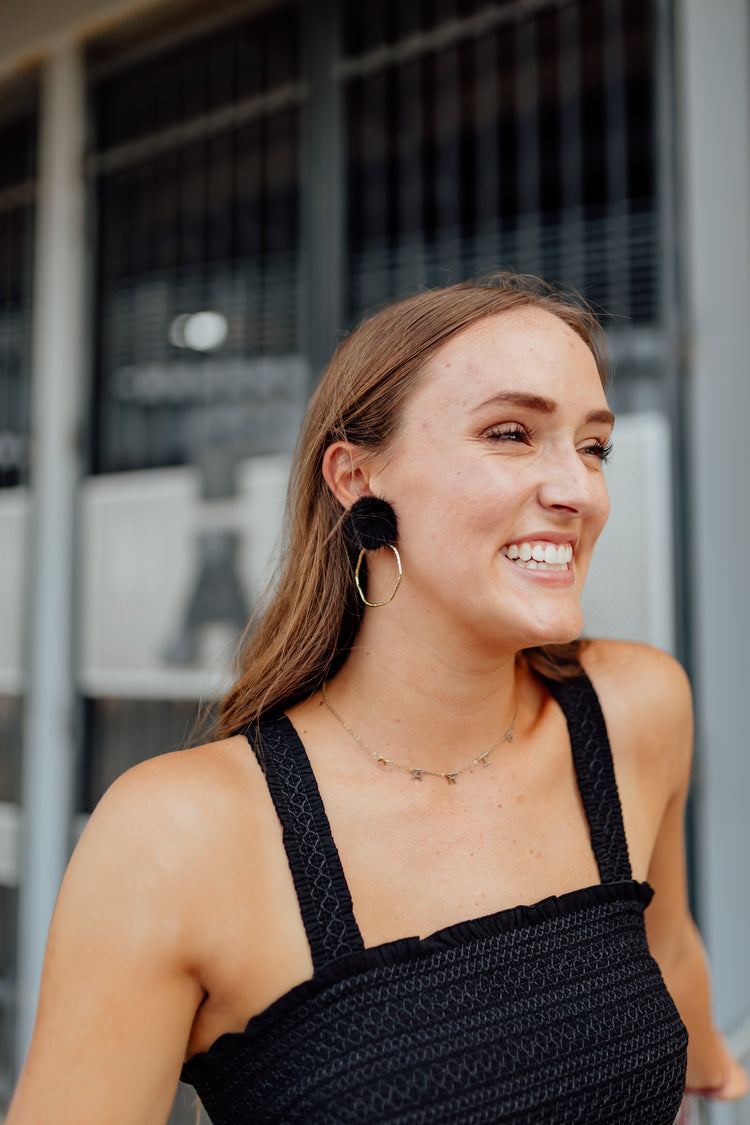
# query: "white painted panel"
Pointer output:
{"type": "Point", "coordinates": [629, 592]}
{"type": "Point", "coordinates": [139, 567]}
{"type": "Point", "coordinates": [14, 511]}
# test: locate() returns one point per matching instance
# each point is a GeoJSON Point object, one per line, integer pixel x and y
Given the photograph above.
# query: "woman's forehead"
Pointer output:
{"type": "Point", "coordinates": [525, 329]}
{"type": "Point", "coordinates": [527, 348]}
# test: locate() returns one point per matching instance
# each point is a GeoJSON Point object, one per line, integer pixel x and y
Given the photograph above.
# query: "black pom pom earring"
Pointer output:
{"type": "Point", "coordinates": [369, 525]}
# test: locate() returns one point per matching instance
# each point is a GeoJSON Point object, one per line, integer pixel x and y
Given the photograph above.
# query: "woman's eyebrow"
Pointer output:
{"type": "Point", "coordinates": [540, 404]}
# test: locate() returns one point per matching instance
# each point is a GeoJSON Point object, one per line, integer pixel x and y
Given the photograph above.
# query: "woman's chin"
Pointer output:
{"type": "Point", "coordinates": [559, 632]}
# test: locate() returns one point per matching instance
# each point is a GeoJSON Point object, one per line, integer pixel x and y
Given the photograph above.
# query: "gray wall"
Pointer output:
{"type": "Point", "coordinates": [714, 47]}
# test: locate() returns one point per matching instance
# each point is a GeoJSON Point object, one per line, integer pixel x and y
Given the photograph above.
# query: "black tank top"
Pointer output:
{"type": "Point", "coordinates": [548, 1013]}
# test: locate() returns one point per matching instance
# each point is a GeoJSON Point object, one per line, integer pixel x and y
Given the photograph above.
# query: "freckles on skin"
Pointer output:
{"type": "Point", "coordinates": [536, 339]}
{"type": "Point", "coordinates": [521, 358]}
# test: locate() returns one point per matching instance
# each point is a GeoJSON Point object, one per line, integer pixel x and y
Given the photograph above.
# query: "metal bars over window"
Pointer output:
{"type": "Point", "coordinates": [17, 197]}
{"type": "Point", "coordinates": [195, 169]}
{"type": "Point", "coordinates": [516, 134]}
{"type": "Point", "coordinates": [468, 136]}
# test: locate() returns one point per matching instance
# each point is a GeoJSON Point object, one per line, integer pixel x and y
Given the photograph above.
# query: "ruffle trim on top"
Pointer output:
{"type": "Point", "coordinates": [556, 906]}
{"type": "Point", "coordinates": [411, 949]}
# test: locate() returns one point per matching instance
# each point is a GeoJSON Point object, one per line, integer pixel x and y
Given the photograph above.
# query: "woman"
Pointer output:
{"type": "Point", "coordinates": [442, 729]}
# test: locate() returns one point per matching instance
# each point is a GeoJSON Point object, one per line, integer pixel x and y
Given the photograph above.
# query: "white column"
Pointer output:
{"type": "Point", "coordinates": [57, 374]}
{"type": "Point", "coordinates": [714, 87]}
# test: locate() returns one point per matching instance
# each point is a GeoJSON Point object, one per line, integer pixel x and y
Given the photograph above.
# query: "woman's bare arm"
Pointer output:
{"type": "Point", "coordinates": [673, 936]}
{"type": "Point", "coordinates": [120, 986]}
{"type": "Point", "coordinates": [647, 703]}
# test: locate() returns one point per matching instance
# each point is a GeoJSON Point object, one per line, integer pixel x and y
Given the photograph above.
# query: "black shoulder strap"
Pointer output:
{"type": "Point", "coordinates": [592, 758]}
{"type": "Point", "coordinates": [324, 898]}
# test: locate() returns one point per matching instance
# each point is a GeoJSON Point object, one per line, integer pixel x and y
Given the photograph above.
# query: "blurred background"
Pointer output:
{"type": "Point", "coordinates": [196, 200]}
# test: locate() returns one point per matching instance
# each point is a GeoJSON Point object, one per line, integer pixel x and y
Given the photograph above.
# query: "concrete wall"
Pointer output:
{"type": "Point", "coordinates": [714, 85]}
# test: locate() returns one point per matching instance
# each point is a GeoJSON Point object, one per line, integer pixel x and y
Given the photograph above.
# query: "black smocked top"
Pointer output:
{"type": "Point", "coordinates": [542, 1014]}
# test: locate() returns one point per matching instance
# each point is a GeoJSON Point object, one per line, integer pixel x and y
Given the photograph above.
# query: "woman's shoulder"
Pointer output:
{"type": "Point", "coordinates": [640, 674]}
{"type": "Point", "coordinates": [171, 820]}
{"type": "Point", "coordinates": [189, 790]}
{"type": "Point", "coordinates": [633, 667]}
{"type": "Point", "coordinates": [140, 936]}
{"type": "Point", "coordinates": [646, 699]}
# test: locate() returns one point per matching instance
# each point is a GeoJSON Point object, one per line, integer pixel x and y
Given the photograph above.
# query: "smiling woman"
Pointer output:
{"type": "Point", "coordinates": [499, 445]}
{"type": "Point", "coordinates": [284, 916]}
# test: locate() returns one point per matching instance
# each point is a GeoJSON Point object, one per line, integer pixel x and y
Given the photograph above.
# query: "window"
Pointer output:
{"type": "Point", "coordinates": [502, 135]}
{"type": "Point", "coordinates": [17, 190]}
{"type": "Point", "coordinates": [195, 169]}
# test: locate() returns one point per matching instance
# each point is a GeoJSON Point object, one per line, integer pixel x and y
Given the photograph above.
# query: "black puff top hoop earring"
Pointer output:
{"type": "Point", "coordinates": [369, 525]}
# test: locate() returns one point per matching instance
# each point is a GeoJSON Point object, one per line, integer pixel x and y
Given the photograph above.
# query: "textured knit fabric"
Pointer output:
{"type": "Point", "coordinates": [550, 1013]}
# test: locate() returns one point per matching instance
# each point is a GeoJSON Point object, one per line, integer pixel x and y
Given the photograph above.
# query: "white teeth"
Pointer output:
{"type": "Point", "coordinates": [532, 564]}
{"type": "Point", "coordinates": [542, 556]}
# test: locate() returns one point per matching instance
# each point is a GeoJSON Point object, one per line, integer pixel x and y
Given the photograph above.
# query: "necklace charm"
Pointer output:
{"type": "Point", "coordinates": [417, 772]}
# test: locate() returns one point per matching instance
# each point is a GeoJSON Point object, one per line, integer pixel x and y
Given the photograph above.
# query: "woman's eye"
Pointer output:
{"type": "Point", "coordinates": [511, 431]}
{"type": "Point", "coordinates": [599, 449]}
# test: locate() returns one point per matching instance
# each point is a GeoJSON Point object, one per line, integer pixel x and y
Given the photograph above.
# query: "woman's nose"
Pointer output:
{"type": "Point", "coordinates": [571, 485]}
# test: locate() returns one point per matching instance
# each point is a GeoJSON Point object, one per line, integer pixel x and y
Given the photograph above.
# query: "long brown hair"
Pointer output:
{"type": "Point", "coordinates": [309, 622]}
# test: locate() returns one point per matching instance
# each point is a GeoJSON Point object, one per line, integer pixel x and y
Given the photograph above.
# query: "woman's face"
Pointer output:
{"type": "Point", "coordinates": [497, 478]}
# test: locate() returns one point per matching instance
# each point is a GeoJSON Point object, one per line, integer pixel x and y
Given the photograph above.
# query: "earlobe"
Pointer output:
{"type": "Point", "coordinates": [344, 473]}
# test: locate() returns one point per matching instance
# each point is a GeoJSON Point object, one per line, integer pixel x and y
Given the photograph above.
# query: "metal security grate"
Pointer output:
{"type": "Point", "coordinates": [17, 193]}
{"type": "Point", "coordinates": [195, 166]}
{"type": "Point", "coordinates": [466, 136]}
{"type": "Point", "coordinates": [516, 134]}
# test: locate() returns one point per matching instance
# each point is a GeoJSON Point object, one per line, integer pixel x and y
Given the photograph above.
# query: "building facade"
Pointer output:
{"type": "Point", "coordinates": [196, 200]}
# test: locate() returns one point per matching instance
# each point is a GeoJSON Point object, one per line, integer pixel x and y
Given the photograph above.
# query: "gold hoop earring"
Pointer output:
{"type": "Point", "coordinates": [375, 605]}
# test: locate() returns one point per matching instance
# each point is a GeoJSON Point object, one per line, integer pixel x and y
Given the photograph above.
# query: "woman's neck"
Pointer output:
{"type": "Point", "coordinates": [409, 698]}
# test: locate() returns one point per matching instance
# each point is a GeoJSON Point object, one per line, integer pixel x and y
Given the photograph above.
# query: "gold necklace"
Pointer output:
{"type": "Point", "coordinates": [416, 772]}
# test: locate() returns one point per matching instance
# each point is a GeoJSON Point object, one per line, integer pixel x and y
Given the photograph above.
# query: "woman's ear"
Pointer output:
{"type": "Point", "coordinates": [344, 472]}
